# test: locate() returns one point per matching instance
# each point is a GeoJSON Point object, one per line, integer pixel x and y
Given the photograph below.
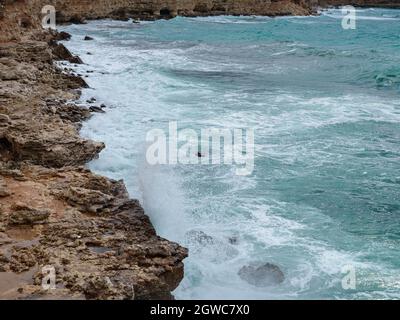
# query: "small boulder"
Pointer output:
{"type": "Point", "coordinates": [62, 53]}
{"type": "Point", "coordinates": [87, 38]}
{"type": "Point", "coordinates": [263, 275]}
{"type": "Point", "coordinates": [22, 214]}
{"type": "Point", "coordinates": [96, 109]}
{"type": "Point", "coordinates": [62, 36]}
{"type": "Point", "coordinates": [77, 20]}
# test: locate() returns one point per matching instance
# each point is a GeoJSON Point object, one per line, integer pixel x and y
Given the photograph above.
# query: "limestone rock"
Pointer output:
{"type": "Point", "coordinates": [4, 192]}
{"type": "Point", "coordinates": [24, 214]}
{"type": "Point", "coordinates": [62, 53]}
{"type": "Point", "coordinates": [87, 200]}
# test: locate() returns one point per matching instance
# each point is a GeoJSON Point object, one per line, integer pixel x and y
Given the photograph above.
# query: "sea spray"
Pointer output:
{"type": "Point", "coordinates": [324, 192]}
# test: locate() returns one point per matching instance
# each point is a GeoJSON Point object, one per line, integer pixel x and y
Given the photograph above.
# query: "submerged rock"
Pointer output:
{"type": "Point", "coordinates": [62, 36]}
{"type": "Point", "coordinates": [62, 53]}
{"type": "Point", "coordinates": [54, 211]}
{"type": "Point", "coordinates": [262, 275]}
{"type": "Point", "coordinates": [217, 250]}
{"type": "Point", "coordinates": [96, 109]}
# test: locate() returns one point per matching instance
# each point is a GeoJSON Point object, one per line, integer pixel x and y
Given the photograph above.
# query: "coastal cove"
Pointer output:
{"type": "Point", "coordinates": [305, 210]}
{"type": "Point", "coordinates": [319, 203]}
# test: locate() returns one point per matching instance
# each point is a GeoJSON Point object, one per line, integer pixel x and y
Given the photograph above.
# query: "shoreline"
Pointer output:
{"type": "Point", "coordinates": [54, 211]}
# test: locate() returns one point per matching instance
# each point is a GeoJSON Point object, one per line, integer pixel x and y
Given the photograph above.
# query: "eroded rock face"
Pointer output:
{"type": "Point", "coordinates": [23, 214]}
{"type": "Point", "coordinates": [107, 254]}
{"type": "Point", "coordinates": [25, 15]}
{"type": "Point", "coordinates": [53, 211]}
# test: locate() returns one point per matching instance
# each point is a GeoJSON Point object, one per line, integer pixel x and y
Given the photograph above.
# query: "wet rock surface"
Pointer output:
{"type": "Point", "coordinates": [53, 211]}
{"type": "Point", "coordinates": [262, 275]}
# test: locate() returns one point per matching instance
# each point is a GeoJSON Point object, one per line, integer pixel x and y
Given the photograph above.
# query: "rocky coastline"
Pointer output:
{"type": "Point", "coordinates": [56, 217]}
{"type": "Point", "coordinates": [54, 213]}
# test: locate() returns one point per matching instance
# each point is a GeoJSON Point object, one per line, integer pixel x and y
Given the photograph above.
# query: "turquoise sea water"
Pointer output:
{"type": "Point", "coordinates": [324, 104]}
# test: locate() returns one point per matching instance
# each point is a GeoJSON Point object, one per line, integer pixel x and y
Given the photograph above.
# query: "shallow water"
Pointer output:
{"type": "Point", "coordinates": [324, 104]}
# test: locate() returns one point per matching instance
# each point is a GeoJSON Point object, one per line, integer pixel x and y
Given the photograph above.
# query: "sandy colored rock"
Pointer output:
{"type": "Point", "coordinates": [24, 214]}
{"type": "Point", "coordinates": [53, 211]}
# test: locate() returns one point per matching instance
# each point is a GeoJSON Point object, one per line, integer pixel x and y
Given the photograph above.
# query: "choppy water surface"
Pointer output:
{"type": "Point", "coordinates": [324, 104]}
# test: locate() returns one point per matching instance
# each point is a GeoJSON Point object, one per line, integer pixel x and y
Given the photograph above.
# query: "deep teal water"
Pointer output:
{"type": "Point", "coordinates": [324, 104]}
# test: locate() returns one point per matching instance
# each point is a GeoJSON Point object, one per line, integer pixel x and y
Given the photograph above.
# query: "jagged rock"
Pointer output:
{"type": "Point", "coordinates": [3, 189]}
{"type": "Point", "coordinates": [62, 36]}
{"type": "Point", "coordinates": [87, 38]}
{"type": "Point", "coordinates": [217, 250]}
{"type": "Point", "coordinates": [96, 109]}
{"type": "Point", "coordinates": [76, 19]}
{"type": "Point", "coordinates": [87, 200]}
{"type": "Point", "coordinates": [5, 120]}
{"type": "Point", "coordinates": [62, 53]}
{"type": "Point", "coordinates": [262, 275]}
{"type": "Point", "coordinates": [24, 214]}
{"type": "Point", "coordinates": [71, 112]}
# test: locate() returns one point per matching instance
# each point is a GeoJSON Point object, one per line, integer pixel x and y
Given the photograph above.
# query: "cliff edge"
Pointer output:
{"type": "Point", "coordinates": [65, 233]}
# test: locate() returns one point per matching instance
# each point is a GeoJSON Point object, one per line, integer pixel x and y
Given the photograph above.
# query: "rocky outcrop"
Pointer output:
{"type": "Point", "coordinates": [263, 275]}
{"type": "Point", "coordinates": [358, 3]}
{"type": "Point", "coordinates": [22, 15]}
{"type": "Point", "coordinates": [53, 212]}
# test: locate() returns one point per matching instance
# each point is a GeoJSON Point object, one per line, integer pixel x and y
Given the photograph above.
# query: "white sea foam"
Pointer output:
{"type": "Point", "coordinates": [146, 82]}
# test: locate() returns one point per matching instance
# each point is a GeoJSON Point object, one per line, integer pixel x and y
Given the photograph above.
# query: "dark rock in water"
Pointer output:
{"type": "Point", "coordinates": [91, 100]}
{"type": "Point", "coordinates": [103, 106]}
{"type": "Point", "coordinates": [87, 38]}
{"type": "Point", "coordinates": [199, 237]}
{"type": "Point", "coordinates": [61, 36]}
{"type": "Point", "coordinates": [24, 214]}
{"type": "Point", "coordinates": [233, 240]}
{"type": "Point", "coordinates": [262, 275]}
{"type": "Point", "coordinates": [96, 109]}
{"type": "Point", "coordinates": [89, 53]}
{"type": "Point", "coordinates": [77, 20]}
